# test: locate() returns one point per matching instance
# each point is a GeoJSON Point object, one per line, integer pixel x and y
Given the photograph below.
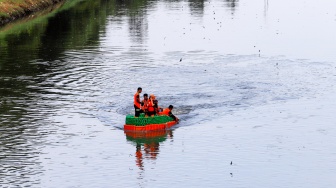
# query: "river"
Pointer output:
{"type": "Point", "coordinates": [253, 83]}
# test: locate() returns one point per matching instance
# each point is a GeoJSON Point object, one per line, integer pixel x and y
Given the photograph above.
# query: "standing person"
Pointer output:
{"type": "Point", "coordinates": [144, 103]}
{"type": "Point", "coordinates": [168, 112]}
{"type": "Point", "coordinates": [137, 104]}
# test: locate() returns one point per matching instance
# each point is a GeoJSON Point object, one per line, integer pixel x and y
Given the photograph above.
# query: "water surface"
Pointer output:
{"type": "Point", "coordinates": [251, 81]}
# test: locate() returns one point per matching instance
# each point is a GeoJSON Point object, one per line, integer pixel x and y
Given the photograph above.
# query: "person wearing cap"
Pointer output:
{"type": "Point", "coordinates": [137, 104]}
{"type": "Point", "coordinates": [168, 112]}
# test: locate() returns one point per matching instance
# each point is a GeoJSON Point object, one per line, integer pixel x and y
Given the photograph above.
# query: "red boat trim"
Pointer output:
{"type": "Point", "coordinates": [150, 127]}
{"type": "Point", "coordinates": [146, 134]}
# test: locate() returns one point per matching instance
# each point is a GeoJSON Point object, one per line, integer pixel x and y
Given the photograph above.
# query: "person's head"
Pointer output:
{"type": "Point", "coordinates": [171, 107]}
{"type": "Point", "coordinates": [155, 101]}
{"type": "Point", "coordinates": [139, 89]}
{"type": "Point", "coordinates": [152, 96]}
{"type": "Point", "coordinates": [145, 96]}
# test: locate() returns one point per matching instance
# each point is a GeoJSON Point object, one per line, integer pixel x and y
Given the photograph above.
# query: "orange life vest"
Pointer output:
{"type": "Point", "coordinates": [166, 112]}
{"type": "Point", "coordinates": [150, 106]}
{"type": "Point", "coordinates": [137, 100]}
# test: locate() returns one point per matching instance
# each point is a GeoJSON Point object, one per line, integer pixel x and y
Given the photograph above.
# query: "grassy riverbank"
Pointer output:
{"type": "Point", "coordinates": [14, 9]}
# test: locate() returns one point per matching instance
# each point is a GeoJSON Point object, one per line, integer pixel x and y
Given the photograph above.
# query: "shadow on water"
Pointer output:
{"type": "Point", "coordinates": [147, 144]}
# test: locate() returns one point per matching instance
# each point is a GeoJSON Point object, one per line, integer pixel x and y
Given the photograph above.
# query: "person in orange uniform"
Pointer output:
{"type": "Point", "coordinates": [144, 103]}
{"type": "Point", "coordinates": [137, 104]}
{"type": "Point", "coordinates": [168, 112]}
{"type": "Point", "coordinates": [151, 106]}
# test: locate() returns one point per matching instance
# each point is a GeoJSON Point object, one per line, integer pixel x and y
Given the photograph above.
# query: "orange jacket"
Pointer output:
{"type": "Point", "coordinates": [166, 112]}
{"type": "Point", "coordinates": [137, 100]}
{"type": "Point", "coordinates": [150, 106]}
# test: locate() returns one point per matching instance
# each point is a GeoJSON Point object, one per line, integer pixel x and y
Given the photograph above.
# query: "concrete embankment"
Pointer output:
{"type": "Point", "coordinates": [11, 10]}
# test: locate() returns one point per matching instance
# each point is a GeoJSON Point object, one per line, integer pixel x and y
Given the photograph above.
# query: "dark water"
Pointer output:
{"type": "Point", "coordinates": [252, 82]}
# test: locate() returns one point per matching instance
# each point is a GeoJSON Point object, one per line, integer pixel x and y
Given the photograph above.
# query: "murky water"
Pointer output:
{"type": "Point", "coordinates": [253, 83]}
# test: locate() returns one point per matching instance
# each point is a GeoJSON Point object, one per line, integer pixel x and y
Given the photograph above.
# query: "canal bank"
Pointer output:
{"type": "Point", "coordinates": [11, 10]}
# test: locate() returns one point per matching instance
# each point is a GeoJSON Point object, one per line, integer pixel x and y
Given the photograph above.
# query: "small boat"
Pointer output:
{"type": "Point", "coordinates": [142, 123]}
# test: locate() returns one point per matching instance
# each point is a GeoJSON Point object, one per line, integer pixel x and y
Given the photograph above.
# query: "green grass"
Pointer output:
{"type": "Point", "coordinates": [13, 9]}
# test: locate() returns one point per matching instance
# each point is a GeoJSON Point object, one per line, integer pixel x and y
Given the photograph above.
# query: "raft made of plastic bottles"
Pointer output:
{"type": "Point", "coordinates": [151, 123]}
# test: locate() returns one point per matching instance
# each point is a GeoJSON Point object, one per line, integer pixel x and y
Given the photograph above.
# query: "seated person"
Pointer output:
{"type": "Point", "coordinates": [151, 106]}
{"type": "Point", "coordinates": [156, 107]}
{"type": "Point", "coordinates": [144, 103]}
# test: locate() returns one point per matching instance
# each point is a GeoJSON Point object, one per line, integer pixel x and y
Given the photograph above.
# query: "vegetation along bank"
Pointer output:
{"type": "Point", "coordinates": [11, 10]}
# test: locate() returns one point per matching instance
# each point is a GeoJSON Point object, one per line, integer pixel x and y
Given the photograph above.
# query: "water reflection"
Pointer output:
{"type": "Point", "coordinates": [32, 53]}
{"type": "Point", "coordinates": [197, 7]}
{"type": "Point", "coordinates": [265, 8]}
{"type": "Point", "coordinates": [43, 42]}
{"type": "Point", "coordinates": [137, 18]}
{"type": "Point", "coordinates": [147, 144]}
{"type": "Point", "coordinates": [47, 38]}
{"type": "Point", "coordinates": [29, 56]}
{"type": "Point", "coordinates": [232, 4]}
